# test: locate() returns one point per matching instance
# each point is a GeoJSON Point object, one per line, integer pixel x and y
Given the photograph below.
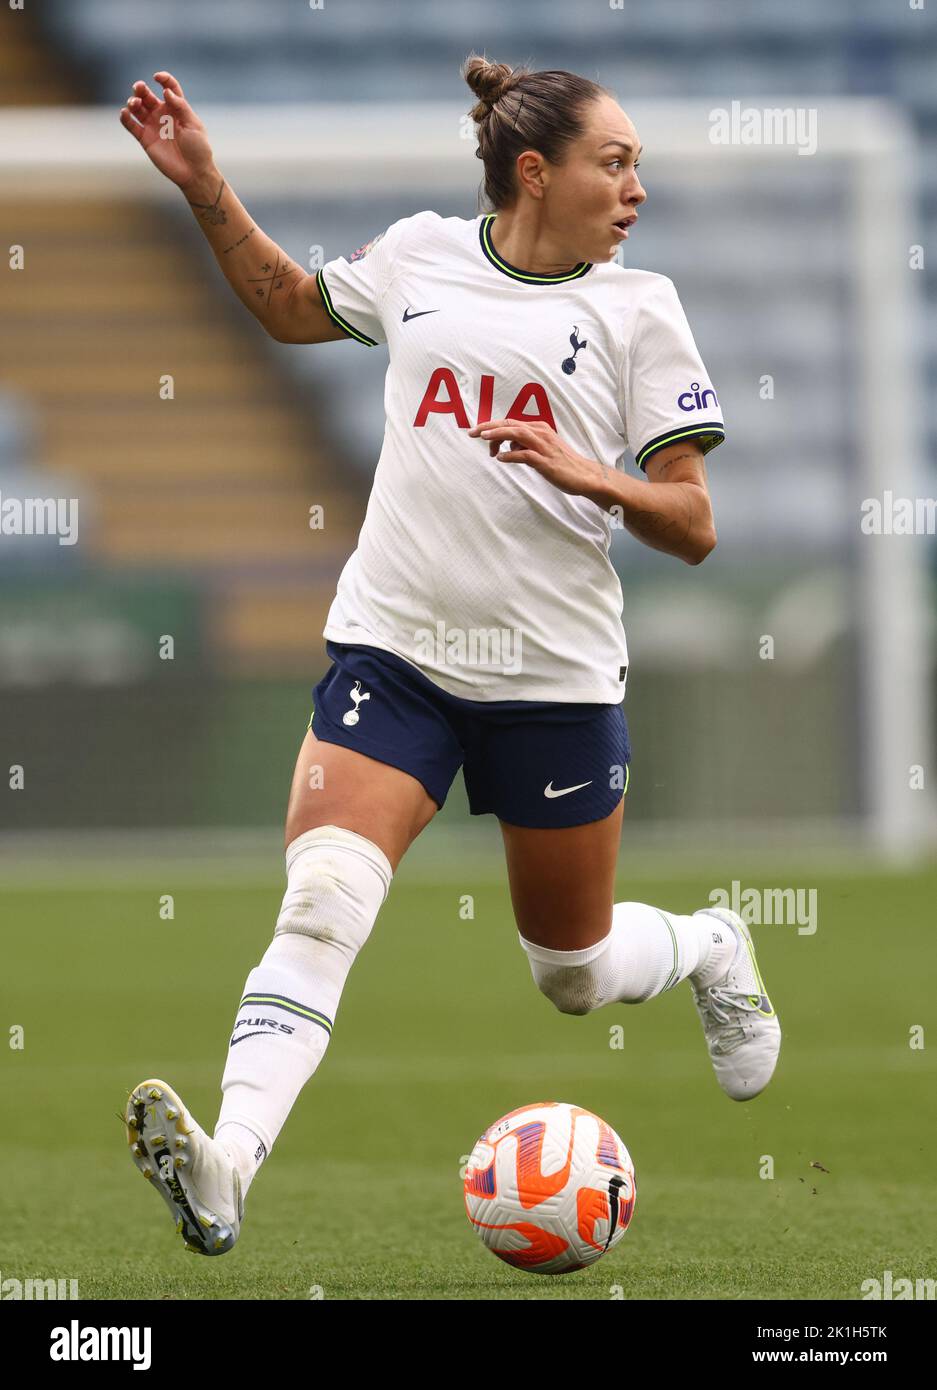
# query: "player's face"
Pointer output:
{"type": "Point", "coordinates": [596, 189]}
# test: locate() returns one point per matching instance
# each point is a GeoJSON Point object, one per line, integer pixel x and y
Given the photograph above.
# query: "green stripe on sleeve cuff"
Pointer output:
{"type": "Point", "coordinates": [708, 436]}
{"type": "Point", "coordinates": [336, 317]}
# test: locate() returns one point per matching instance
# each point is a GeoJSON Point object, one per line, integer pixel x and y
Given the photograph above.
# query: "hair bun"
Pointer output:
{"type": "Point", "coordinates": [489, 81]}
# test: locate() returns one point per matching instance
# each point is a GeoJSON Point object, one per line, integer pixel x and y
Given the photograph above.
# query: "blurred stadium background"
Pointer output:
{"type": "Point", "coordinates": [330, 123]}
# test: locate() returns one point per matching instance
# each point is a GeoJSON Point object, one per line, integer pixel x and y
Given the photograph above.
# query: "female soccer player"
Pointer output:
{"type": "Point", "coordinates": [478, 623]}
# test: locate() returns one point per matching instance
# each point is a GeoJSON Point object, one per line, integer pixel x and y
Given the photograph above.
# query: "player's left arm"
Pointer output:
{"type": "Point", "coordinates": [675, 510]}
{"type": "Point", "coordinates": [672, 511]}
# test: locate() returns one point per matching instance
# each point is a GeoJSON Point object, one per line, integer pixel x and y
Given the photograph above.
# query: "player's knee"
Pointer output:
{"type": "Point", "coordinates": [337, 881]}
{"type": "Point", "coordinates": [571, 988]}
{"type": "Point", "coordinates": [573, 981]}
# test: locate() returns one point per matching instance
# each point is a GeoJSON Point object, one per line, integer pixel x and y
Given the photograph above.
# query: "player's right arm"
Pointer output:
{"type": "Point", "coordinates": [283, 297]}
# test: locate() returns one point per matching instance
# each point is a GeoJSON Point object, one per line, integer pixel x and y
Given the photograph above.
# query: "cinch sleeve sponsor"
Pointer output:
{"type": "Point", "coordinates": [353, 286]}
{"type": "Point", "coordinates": [666, 391]}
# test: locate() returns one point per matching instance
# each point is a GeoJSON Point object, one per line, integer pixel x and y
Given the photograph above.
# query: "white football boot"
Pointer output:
{"type": "Point", "coordinates": [193, 1174]}
{"type": "Point", "coordinates": [742, 1030]}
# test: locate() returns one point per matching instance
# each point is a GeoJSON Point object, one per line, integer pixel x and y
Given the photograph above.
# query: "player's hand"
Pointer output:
{"type": "Point", "coordinates": [169, 130]}
{"type": "Point", "coordinates": [534, 442]}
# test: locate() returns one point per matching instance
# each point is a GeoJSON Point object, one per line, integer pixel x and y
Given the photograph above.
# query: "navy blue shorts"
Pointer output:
{"type": "Point", "coordinates": [529, 762]}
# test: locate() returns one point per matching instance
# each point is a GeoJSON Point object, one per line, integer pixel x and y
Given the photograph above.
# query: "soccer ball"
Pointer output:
{"type": "Point", "coordinates": [549, 1188]}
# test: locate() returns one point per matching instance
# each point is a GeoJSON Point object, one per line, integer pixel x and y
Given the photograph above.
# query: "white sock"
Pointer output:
{"type": "Point", "coordinates": [246, 1148]}
{"type": "Point", "coordinates": [337, 881]}
{"type": "Point", "coordinates": [646, 953]}
{"type": "Point", "coordinates": [266, 1069]}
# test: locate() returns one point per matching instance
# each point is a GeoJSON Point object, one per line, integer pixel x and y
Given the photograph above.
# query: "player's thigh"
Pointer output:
{"type": "Point", "coordinates": [563, 881]}
{"type": "Point", "coordinates": [333, 785]}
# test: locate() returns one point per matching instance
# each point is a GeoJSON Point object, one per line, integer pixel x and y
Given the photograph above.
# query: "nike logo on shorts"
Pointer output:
{"type": "Point", "coordinates": [550, 792]}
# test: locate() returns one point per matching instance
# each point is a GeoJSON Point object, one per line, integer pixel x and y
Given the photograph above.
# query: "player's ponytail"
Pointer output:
{"type": "Point", "coordinates": [518, 109]}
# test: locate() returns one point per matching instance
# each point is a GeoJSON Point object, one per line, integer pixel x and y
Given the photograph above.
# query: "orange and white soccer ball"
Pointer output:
{"type": "Point", "coordinates": [550, 1188]}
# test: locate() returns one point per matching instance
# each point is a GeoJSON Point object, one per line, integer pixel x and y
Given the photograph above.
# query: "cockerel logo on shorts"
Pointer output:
{"type": "Point", "coordinates": [352, 716]}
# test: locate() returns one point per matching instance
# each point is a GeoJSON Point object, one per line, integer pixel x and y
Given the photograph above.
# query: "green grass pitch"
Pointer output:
{"type": "Point", "coordinates": [441, 1030]}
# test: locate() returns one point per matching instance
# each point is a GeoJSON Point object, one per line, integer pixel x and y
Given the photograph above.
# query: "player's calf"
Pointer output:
{"type": "Point", "coordinates": [647, 952]}
{"type": "Point", "coordinates": [337, 881]}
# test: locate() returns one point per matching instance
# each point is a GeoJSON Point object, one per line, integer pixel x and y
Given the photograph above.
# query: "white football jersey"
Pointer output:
{"type": "Point", "coordinates": [493, 582]}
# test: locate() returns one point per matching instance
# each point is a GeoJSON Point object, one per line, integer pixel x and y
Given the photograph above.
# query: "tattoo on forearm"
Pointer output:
{"type": "Point", "coordinates": [211, 212]}
{"type": "Point", "coordinates": [689, 454]}
{"type": "Point", "coordinates": [650, 524]}
{"type": "Point", "coordinates": [272, 278]}
{"type": "Point", "coordinates": [596, 495]}
{"type": "Point", "coordinates": [239, 241]}
{"type": "Point", "coordinates": [654, 526]}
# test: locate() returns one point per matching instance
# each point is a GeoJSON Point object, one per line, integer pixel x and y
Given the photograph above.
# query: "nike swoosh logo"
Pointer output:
{"type": "Point", "coordinates": [549, 791]}
{"type": "Point", "coordinates": [407, 316]}
{"type": "Point", "coordinates": [258, 1033]}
